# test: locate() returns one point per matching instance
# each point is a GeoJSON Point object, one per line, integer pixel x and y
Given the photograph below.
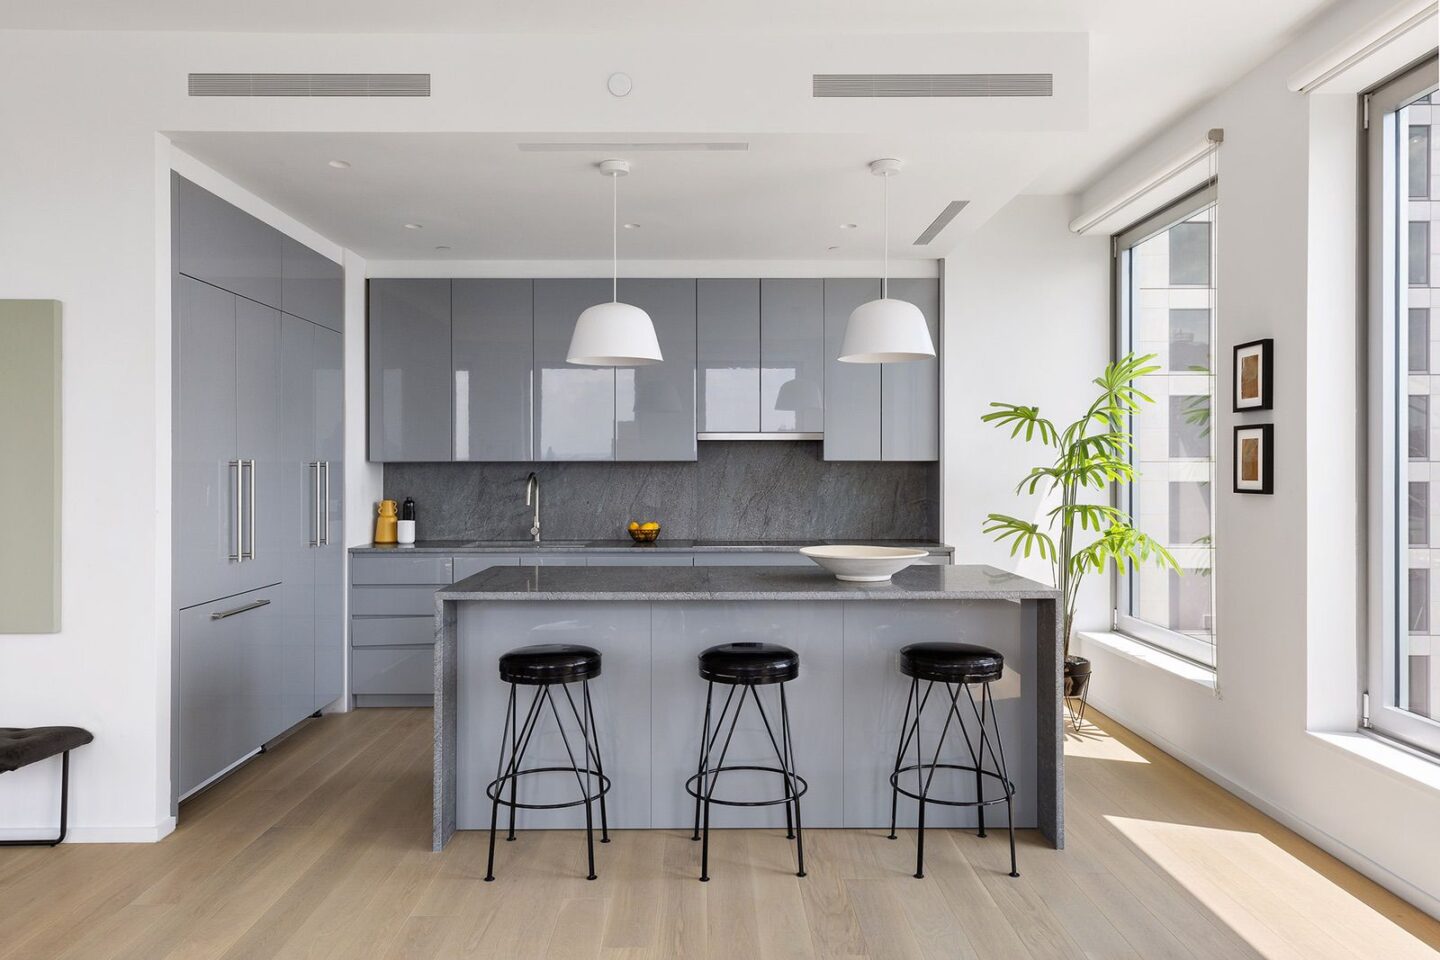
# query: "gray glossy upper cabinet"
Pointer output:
{"type": "Point", "coordinates": [910, 391]}
{"type": "Point", "coordinates": [312, 286]}
{"type": "Point", "coordinates": [727, 334]}
{"type": "Point", "coordinates": [655, 404]}
{"type": "Point", "coordinates": [852, 390]}
{"type": "Point", "coordinates": [207, 505]}
{"type": "Point", "coordinates": [574, 406]}
{"type": "Point", "coordinates": [493, 350]}
{"type": "Point", "coordinates": [410, 370]}
{"type": "Point", "coordinates": [792, 356]}
{"type": "Point", "coordinates": [223, 245]}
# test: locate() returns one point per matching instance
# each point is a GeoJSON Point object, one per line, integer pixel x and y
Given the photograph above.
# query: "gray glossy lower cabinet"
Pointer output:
{"type": "Point", "coordinates": [231, 666]}
{"type": "Point", "coordinates": [411, 413]}
{"type": "Point", "coordinates": [493, 359]}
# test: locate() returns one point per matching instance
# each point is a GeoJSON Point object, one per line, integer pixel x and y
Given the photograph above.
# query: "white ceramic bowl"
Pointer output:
{"type": "Point", "coordinates": [863, 564]}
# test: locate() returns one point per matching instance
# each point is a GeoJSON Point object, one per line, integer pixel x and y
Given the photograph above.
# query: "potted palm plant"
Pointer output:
{"type": "Point", "coordinates": [1088, 456]}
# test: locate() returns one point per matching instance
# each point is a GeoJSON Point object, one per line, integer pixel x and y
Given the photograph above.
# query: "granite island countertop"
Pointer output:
{"type": "Point", "coordinates": [660, 546]}
{"type": "Point", "coordinates": [937, 582]}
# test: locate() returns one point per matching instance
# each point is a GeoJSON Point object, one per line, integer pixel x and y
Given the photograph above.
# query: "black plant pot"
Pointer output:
{"type": "Point", "coordinates": [1077, 677]}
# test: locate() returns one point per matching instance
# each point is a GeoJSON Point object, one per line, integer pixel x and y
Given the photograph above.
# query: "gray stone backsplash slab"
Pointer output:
{"type": "Point", "coordinates": [736, 490]}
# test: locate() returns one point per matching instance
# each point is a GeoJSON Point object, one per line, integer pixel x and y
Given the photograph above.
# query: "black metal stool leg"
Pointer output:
{"type": "Point", "coordinates": [788, 763]}
{"type": "Point", "coordinates": [979, 777]}
{"type": "Point", "coordinates": [710, 790]}
{"type": "Point", "coordinates": [900, 753]}
{"type": "Point", "coordinates": [704, 752]}
{"type": "Point", "coordinates": [782, 754]}
{"type": "Point", "coordinates": [582, 782]}
{"type": "Point", "coordinates": [999, 760]}
{"type": "Point", "coordinates": [499, 765]}
{"type": "Point", "coordinates": [599, 767]}
{"type": "Point", "coordinates": [929, 778]}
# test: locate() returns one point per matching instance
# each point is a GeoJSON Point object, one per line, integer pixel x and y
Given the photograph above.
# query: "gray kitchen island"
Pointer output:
{"type": "Point", "coordinates": [846, 707]}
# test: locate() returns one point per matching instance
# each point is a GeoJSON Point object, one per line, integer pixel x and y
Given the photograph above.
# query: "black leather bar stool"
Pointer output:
{"type": "Point", "coordinates": [958, 666]}
{"type": "Point", "coordinates": [545, 667]}
{"type": "Point", "coordinates": [743, 667]}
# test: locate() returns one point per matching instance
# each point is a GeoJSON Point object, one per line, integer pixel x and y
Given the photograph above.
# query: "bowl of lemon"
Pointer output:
{"type": "Point", "coordinates": [646, 532]}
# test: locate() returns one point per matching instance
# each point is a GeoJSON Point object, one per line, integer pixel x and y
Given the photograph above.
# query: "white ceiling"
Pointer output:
{"type": "Point", "coordinates": [1150, 60]}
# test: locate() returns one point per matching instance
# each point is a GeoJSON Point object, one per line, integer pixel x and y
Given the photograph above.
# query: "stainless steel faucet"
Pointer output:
{"type": "Point", "coordinates": [532, 491]}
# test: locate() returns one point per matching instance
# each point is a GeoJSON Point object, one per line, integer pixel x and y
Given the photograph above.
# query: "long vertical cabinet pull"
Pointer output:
{"type": "Point", "coordinates": [252, 506]}
{"type": "Point", "coordinates": [326, 504]}
{"type": "Point", "coordinates": [239, 472]}
{"type": "Point", "coordinates": [315, 540]}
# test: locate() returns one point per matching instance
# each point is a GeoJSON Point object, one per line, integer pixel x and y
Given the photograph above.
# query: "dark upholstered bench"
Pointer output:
{"type": "Point", "coordinates": [22, 746]}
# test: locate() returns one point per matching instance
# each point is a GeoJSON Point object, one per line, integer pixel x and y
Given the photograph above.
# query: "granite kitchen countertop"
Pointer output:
{"type": "Point", "coordinates": [930, 582]}
{"type": "Point", "coordinates": [661, 546]}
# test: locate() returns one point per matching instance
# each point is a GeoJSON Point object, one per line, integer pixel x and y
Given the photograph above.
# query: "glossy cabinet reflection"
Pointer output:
{"type": "Point", "coordinates": [852, 390]}
{"type": "Point", "coordinates": [792, 356]}
{"type": "Point", "coordinates": [493, 353]}
{"type": "Point", "coordinates": [574, 406]}
{"type": "Point", "coordinates": [655, 404]}
{"type": "Point", "coordinates": [727, 389]}
{"type": "Point", "coordinates": [410, 409]}
{"type": "Point", "coordinates": [910, 391]}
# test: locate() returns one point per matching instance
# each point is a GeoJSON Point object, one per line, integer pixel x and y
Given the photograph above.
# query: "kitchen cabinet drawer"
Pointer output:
{"type": "Point", "coordinates": [469, 566]}
{"type": "Point", "coordinates": [393, 670]}
{"type": "Point", "coordinates": [778, 558]}
{"type": "Point", "coordinates": [394, 601]}
{"type": "Point", "coordinates": [391, 631]}
{"type": "Point", "coordinates": [555, 560]}
{"type": "Point", "coordinates": [420, 568]}
{"type": "Point", "coordinates": [641, 560]}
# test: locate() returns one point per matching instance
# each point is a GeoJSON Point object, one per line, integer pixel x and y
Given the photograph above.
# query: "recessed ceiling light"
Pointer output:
{"type": "Point", "coordinates": [340, 164]}
{"type": "Point", "coordinates": [443, 247]}
{"type": "Point", "coordinates": [632, 226]}
{"type": "Point", "coordinates": [848, 226]}
{"type": "Point", "coordinates": [414, 226]}
{"type": "Point", "coordinates": [833, 247]}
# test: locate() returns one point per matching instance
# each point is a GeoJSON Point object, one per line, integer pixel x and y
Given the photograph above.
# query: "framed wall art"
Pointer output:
{"type": "Point", "coordinates": [1254, 376]}
{"type": "Point", "coordinates": [1255, 458]}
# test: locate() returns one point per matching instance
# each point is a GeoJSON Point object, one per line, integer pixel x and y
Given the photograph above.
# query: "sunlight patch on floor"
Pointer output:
{"type": "Point", "coordinates": [1092, 743]}
{"type": "Point", "coordinates": [1266, 894]}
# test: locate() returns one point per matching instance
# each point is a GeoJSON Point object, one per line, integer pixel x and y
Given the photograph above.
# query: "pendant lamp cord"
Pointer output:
{"type": "Point", "coordinates": [885, 277]}
{"type": "Point", "coordinates": [614, 239]}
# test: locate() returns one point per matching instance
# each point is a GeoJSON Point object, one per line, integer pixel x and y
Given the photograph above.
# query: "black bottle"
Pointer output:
{"type": "Point", "coordinates": [407, 509]}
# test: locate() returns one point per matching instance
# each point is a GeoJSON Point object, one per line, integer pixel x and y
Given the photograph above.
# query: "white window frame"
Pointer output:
{"type": "Point", "coordinates": [1384, 676]}
{"type": "Point", "coordinates": [1152, 634]}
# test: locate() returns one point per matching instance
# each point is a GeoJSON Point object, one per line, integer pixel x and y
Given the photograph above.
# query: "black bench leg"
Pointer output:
{"type": "Point", "coordinates": [64, 810]}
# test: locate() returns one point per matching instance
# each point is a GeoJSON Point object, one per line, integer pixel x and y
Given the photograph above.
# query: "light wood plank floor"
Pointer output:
{"type": "Point", "coordinates": [320, 849]}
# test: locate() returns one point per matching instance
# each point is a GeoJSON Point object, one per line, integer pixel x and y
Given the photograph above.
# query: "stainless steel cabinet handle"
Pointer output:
{"type": "Point", "coordinates": [252, 508]}
{"type": "Point", "coordinates": [239, 555]}
{"type": "Point", "coordinates": [326, 502]}
{"type": "Point", "coordinates": [245, 609]}
{"type": "Point", "coordinates": [315, 494]}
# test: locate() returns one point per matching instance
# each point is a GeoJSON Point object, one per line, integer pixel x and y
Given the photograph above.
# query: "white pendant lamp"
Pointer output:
{"type": "Point", "coordinates": [614, 334]}
{"type": "Point", "coordinates": [885, 330]}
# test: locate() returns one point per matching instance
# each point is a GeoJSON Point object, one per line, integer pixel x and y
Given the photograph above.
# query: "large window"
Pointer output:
{"type": "Point", "coordinates": [1165, 304]}
{"type": "Point", "coordinates": [1403, 197]}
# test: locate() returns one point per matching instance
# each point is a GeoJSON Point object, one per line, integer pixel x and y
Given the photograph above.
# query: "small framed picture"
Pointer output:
{"type": "Point", "coordinates": [1255, 458]}
{"type": "Point", "coordinates": [1254, 373]}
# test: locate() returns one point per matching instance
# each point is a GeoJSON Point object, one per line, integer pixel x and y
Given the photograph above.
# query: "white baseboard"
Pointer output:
{"type": "Point", "coordinates": [141, 834]}
{"type": "Point", "coordinates": [1337, 848]}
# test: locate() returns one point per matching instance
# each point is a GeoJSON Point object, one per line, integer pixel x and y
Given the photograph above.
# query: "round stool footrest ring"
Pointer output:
{"type": "Point", "coordinates": [493, 787]}
{"type": "Point", "coordinates": [691, 787]}
{"type": "Point", "coordinates": [1009, 785]}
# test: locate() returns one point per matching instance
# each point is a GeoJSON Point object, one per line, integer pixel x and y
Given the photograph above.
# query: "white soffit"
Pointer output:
{"type": "Point", "coordinates": [1403, 34]}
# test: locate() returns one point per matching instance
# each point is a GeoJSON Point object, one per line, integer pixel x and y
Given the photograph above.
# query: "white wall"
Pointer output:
{"type": "Point", "coordinates": [1026, 321]}
{"type": "Point", "coordinates": [1286, 578]}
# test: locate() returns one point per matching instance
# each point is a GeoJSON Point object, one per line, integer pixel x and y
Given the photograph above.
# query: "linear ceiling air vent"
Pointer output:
{"type": "Point", "coordinates": [309, 84]}
{"type": "Point", "coordinates": [934, 84]}
{"type": "Point", "coordinates": [587, 146]}
{"type": "Point", "coordinates": [941, 222]}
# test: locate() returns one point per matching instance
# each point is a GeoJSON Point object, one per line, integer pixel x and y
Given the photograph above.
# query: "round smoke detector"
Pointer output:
{"type": "Point", "coordinates": [619, 84]}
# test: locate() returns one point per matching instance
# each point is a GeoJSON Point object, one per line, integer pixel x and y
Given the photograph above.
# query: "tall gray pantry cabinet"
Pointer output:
{"type": "Point", "coordinates": [258, 480]}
